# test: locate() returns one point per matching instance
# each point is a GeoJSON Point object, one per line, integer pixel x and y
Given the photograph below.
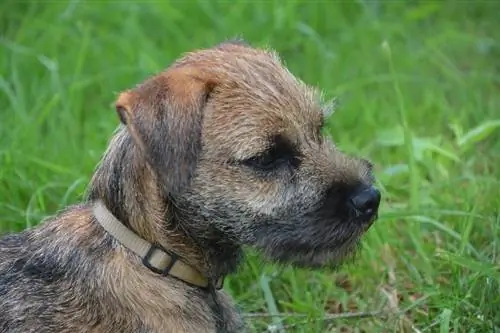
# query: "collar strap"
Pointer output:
{"type": "Point", "coordinates": [154, 257]}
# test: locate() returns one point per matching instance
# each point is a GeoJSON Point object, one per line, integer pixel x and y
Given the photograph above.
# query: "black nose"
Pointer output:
{"type": "Point", "coordinates": [366, 201]}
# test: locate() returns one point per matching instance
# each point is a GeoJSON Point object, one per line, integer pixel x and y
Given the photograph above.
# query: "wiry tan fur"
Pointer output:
{"type": "Point", "coordinates": [188, 170]}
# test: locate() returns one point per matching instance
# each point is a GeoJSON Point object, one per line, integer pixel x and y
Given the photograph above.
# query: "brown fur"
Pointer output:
{"type": "Point", "coordinates": [221, 150]}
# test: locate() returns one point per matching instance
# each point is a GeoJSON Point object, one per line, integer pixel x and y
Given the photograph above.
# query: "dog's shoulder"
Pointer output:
{"type": "Point", "coordinates": [12, 242]}
{"type": "Point", "coordinates": [13, 248]}
{"type": "Point", "coordinates": [50, 267]}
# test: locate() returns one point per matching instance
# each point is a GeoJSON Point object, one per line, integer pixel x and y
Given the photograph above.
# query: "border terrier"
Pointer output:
{"type": "Point", "coordinates": [223, 149]}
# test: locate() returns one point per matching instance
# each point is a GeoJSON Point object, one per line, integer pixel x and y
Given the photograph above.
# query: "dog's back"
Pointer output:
{"type": "Point", "coordinates": [24, 280]}
{"type": "Point", "coordinates": [37, 280]}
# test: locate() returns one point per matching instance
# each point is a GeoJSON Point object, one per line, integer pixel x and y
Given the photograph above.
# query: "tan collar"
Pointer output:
{"type": "Point", "coordinates": [153, 256]}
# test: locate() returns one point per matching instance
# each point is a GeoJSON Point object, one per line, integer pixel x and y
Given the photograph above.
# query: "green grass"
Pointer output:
{"type": "Point", "coordinates": [419, 91]}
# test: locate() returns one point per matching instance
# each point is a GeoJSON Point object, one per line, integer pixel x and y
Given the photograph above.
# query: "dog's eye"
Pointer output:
{"type": "Point", "coordinates": [266, 161]}
{"type": "Point", "coordinates": [272, 160]}
{"type": "Point", "coordinates": [281, 153]}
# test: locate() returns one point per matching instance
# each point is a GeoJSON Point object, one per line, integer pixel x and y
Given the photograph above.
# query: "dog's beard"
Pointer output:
{"type": "Point", "coordinates": [320, 259]}
{"type": "Point", "coordinates": [308, 244]}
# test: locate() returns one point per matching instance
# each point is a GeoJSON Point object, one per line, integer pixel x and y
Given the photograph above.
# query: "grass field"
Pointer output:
{"type": "Point", "coordinates": [419, 89]}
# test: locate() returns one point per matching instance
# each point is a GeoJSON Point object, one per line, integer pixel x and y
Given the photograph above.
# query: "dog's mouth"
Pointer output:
{"type": "Point", "coordinates": [357, 224]}
{"type": "Point", "coordinates": [343, 233]}
{"type": "Point", "coordinates": [366, 220]}
{"type": "Point", "coordinates": [353, 230]}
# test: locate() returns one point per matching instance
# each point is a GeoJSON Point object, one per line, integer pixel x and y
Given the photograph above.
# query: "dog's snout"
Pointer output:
{"type": "Point", "coordinates": [366, 201]}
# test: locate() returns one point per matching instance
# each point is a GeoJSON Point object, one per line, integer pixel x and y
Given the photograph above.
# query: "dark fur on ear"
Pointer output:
{"type": "Point", "coordinates": [164, 116]}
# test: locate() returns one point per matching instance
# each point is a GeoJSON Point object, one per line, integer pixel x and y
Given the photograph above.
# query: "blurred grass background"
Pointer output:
{"type": "Point", "coordinates": [419, 89]}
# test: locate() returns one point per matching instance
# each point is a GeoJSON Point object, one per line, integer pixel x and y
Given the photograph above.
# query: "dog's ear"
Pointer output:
{"type": "Point", "coordinates": [164, 116]}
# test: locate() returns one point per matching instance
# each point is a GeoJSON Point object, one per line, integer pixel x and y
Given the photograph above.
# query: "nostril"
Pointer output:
{"type": "Point", "coordinates": [366, 200]}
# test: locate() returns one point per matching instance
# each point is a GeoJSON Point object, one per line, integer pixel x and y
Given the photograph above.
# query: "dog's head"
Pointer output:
{"type": "Point", "coordinates": [236, 142]}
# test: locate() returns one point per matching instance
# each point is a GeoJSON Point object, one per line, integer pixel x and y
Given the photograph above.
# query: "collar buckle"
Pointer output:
{"type": "Point", "coordinates": [146, 260]}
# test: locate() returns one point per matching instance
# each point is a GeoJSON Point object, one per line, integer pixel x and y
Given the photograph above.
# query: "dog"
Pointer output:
{"type": "Point", "coordinates": [220, 151]}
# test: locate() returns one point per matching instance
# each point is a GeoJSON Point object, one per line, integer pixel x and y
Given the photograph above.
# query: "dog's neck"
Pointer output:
{"type": "Point", "coordinates": [128, 188]}
{"type": "Point", "coordinates": [154, 257]}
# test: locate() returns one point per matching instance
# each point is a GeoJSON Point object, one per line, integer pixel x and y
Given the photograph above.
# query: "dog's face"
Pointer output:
{"type": "Point", "coordinates": [236, 141]}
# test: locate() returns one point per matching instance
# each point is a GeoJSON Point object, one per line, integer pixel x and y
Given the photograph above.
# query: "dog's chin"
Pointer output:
{"type": "Point", "coordinates": [311, 247]}
{"type": "Point", "coordinates": [316, 257]}
{"type": "Point", "coordinates": [323, 259]}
